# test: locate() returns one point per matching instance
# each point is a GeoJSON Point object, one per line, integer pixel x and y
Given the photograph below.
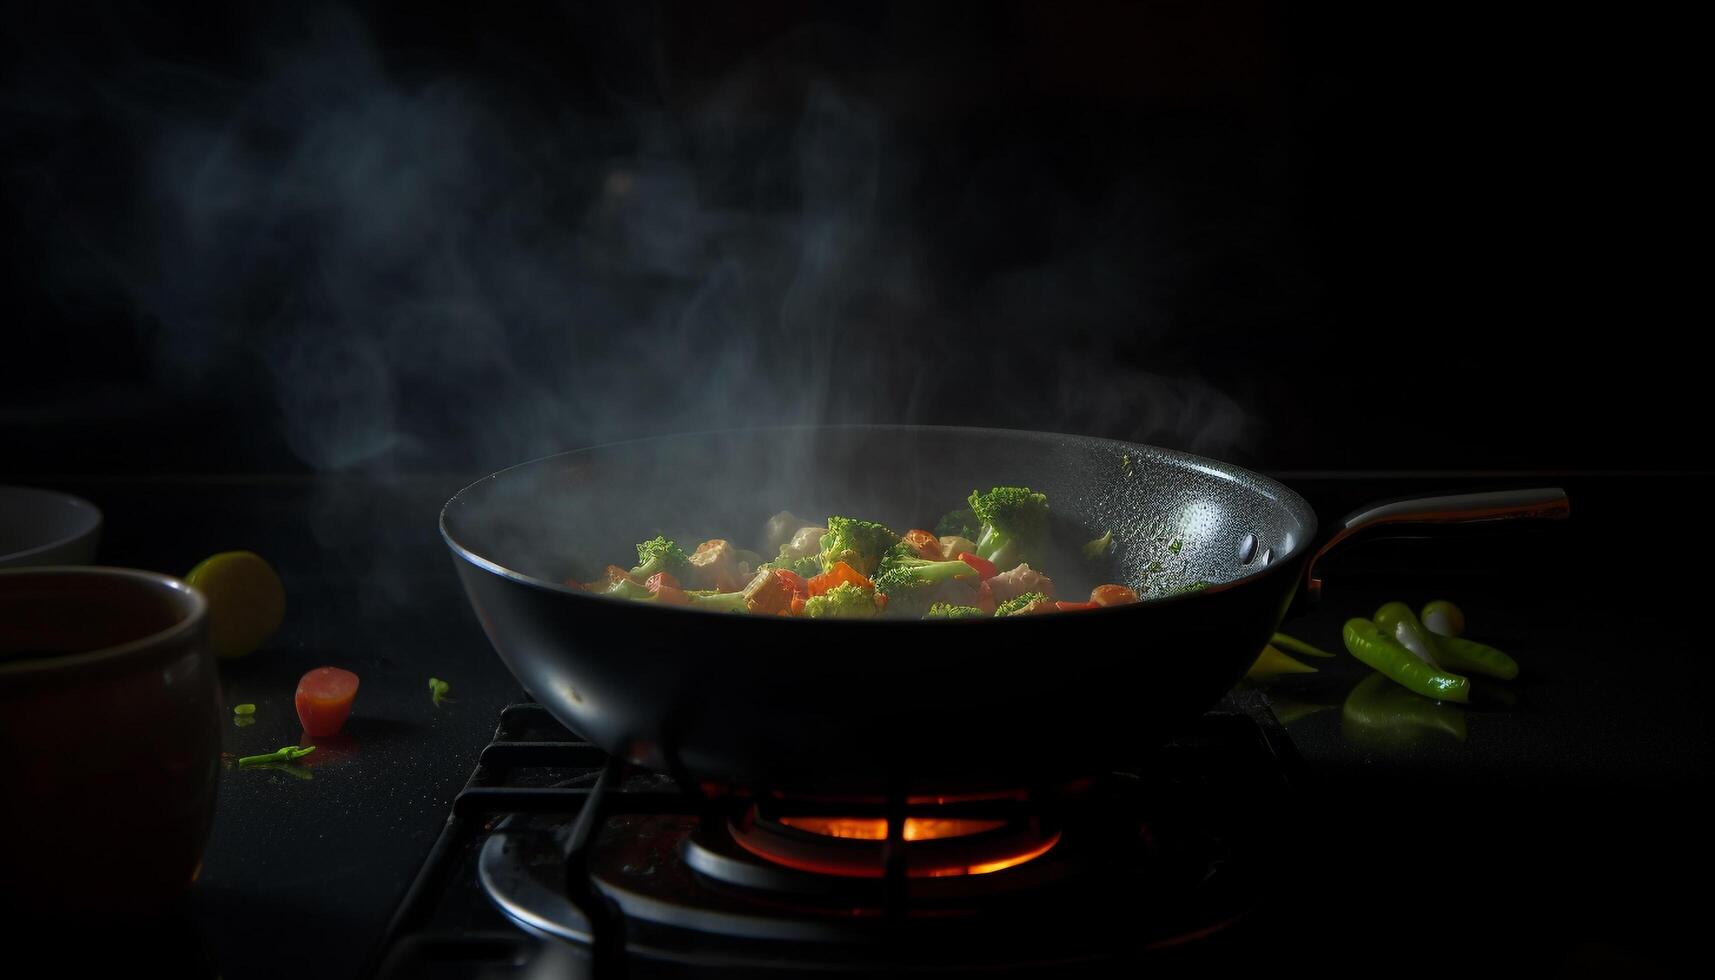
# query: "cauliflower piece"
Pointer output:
{"type": "Point", "coordinates": [781, 528]}
{"type": "Point", "coordinates": [1017, 581]}
{"type": "Point", "coordinates": [714, 565]}
{"type": "Point", "coordinates": [952, 544]}
{"type": "Point", "coordinates": [806, 541]}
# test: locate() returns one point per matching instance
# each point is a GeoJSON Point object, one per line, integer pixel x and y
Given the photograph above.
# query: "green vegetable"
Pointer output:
{"type": "Point", "coordinates": [1094, 550]}
{"type": "Point", "coordinates": [1452, 652]}
{"type": "Point", "coordinates": [1299, 646]}
{"type": "Point", "coordinates": [243, 709]}
{"type": "Point", "coordinates": [438, 690]}
{"type": "Point", "coordinates": [961, 523]}
{"type": "Point", "coordinates": [1017, 605]}
{"type": "Point", "coordinates": [1197, 585]}
{"type": "Point", "coordinates": [717, 601]}
{"type": "Point", "coordinates": [660, 554]}
{"type": "Point", "coordinates": [1272, 662]}
{"type": "Point", "coordinates": [1444, 618]}
{"type": "Point", "coordinates": [807, 567]}
{"type": "Point", "coordinates": [1014, 525]}
{"type": "Point", "coordinates": [1175, 546]}
{"type": "Point", "coordinates": [701, 599]}
{"type": "Point", "coordinates": [910, 581]}
{"type": "Point", "coordinates": [1475, 658]}
{"type": "Point", "coordinates": [285, 753]}
{"type": "Point", "coordinates": [946, 610]}
{"type": "Point", "coordinates": [1369, 644]}
{"type": "Point", "coordinates": [845, 601]}
{"type": "Point", "coordinates": [1395, 619]}
{"type": "Point", "coordinates": [860, 544]}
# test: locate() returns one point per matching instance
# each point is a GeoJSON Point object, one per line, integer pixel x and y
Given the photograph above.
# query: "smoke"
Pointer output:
{"type": "Point", "coordinates": [429, 270]}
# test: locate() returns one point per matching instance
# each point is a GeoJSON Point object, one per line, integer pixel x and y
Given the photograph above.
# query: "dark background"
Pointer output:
{"type": "Point", "coordinates": [376, 239]}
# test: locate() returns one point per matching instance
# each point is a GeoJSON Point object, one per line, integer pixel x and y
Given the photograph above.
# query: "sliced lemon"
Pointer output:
{"type": "Point", "coordinates": [246, 601]}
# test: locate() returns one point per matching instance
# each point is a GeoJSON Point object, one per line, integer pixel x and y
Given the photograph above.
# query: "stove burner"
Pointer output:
{"type": "Point", "coordinates": [856, 847]}
{"type": "Point", "coordinates": [1167, 858]}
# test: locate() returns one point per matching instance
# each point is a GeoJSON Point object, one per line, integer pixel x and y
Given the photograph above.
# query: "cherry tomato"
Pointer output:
{"type": "Point", "coordinates": [1112, 595]}
{"type": "Point", "coordinates": [324, 699]}
{"type": "Point", "coordinates": [927, 545]}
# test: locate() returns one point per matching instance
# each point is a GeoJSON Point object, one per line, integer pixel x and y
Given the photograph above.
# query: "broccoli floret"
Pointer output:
{"type": "Point", "coordinates": [1012, 607]}
{"type": "Point", "coordinates": [946, 610]}
{"type": "Point", "coordinates": [625, 588]}
{"type": "Point", "coordinates": [906, 571]}
{"type": "Point", "coordinates": [716, 601]}
{"type": "Point", "coordinates": [1094, 550]}
{"type": "Point", "coordinates": [959, 523]}
{"type": "Point", "coordinates": [846, 601]}
{"type": "Point", "coordinates": [859, 544]}
{"type": "Point", "coordinates": [1014, 524]}
{"type": "Point", "coordinates": [660, 554]}
{"type": "Point", "coordinates": [807, 567]}
{"type": "Point", "coordinates": [911, 582]}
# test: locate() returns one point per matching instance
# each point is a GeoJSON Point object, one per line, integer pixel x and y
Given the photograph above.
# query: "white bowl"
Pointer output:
{"type": "Point", "coordinates": [41, 527]}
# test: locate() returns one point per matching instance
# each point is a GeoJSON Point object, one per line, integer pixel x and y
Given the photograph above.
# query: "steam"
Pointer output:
{"type": "Point", "coordinates": [435, 273]}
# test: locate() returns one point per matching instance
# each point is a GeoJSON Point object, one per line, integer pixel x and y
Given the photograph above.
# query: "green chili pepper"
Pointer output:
{"type": "Point", "coordinates": [1452, 652]}
{"type": "Point", "coordinates": [1472, 657]}
{"type": "Point", "coordinates": [285, 753]}
{"type": "Point", "coordinates": [1367, 642]}
{"type": "Point", "coordinates": [1399, 623]}
{"type": "Point", "coordinates": [1299, 646]}
{"type": "Point", "coordinates": [243, 709]}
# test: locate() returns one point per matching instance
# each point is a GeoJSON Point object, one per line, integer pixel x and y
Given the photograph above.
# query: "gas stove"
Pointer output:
{"type": "Point", "coordinates": [558, 860]}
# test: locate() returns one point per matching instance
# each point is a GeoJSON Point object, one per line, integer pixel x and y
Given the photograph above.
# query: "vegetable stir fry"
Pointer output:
{"type": "Point", "coordinates": [975, 564]}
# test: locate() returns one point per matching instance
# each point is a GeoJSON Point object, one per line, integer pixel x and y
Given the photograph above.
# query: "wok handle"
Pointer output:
{"type": "Point", "coordinates": [1544, 503]}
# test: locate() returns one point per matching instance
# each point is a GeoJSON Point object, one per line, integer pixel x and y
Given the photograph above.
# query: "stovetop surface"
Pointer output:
{"type": "Point", "coordinates": [1551, 823]}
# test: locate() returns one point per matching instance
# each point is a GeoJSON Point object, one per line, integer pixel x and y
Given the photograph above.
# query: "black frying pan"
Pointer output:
{"type": "Point", "coordinates": [809, 706]}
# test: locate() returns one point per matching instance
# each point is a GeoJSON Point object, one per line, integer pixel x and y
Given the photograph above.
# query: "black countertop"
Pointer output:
{"type": "Point", "coordinates": [1559, 810]}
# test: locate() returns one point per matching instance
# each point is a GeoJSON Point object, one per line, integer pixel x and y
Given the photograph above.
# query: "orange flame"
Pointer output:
{"type": "Point", "coordinates": [916, 828]}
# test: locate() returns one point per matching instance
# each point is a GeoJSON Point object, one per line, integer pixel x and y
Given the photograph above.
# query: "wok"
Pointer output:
{"type": "Point", "coordinates": [861, 707]}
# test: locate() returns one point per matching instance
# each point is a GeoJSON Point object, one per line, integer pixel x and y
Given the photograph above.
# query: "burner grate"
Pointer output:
{"type": "Point", "coordinates": [535, 770]}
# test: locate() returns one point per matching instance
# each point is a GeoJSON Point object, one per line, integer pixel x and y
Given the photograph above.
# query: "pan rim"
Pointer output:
{"type": "Point", "coordinates": [1279, 493]}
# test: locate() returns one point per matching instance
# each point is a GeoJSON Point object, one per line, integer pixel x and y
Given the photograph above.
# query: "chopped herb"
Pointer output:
{"type": "Point", "coordinates": [1094, 550]}
{"type": "Point", "coordinates": [285, 753]}
{"type": "Point", "coordinates": [1125, 463]}
{"type": "Point", "coordinates": [438, 690]}
{"type": "Point", "coordinates": [1154, 566]}
{"type": "Point", "coordinates": [243, 709]}
{"type": "Point", "coordinates": [1175, 546]}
